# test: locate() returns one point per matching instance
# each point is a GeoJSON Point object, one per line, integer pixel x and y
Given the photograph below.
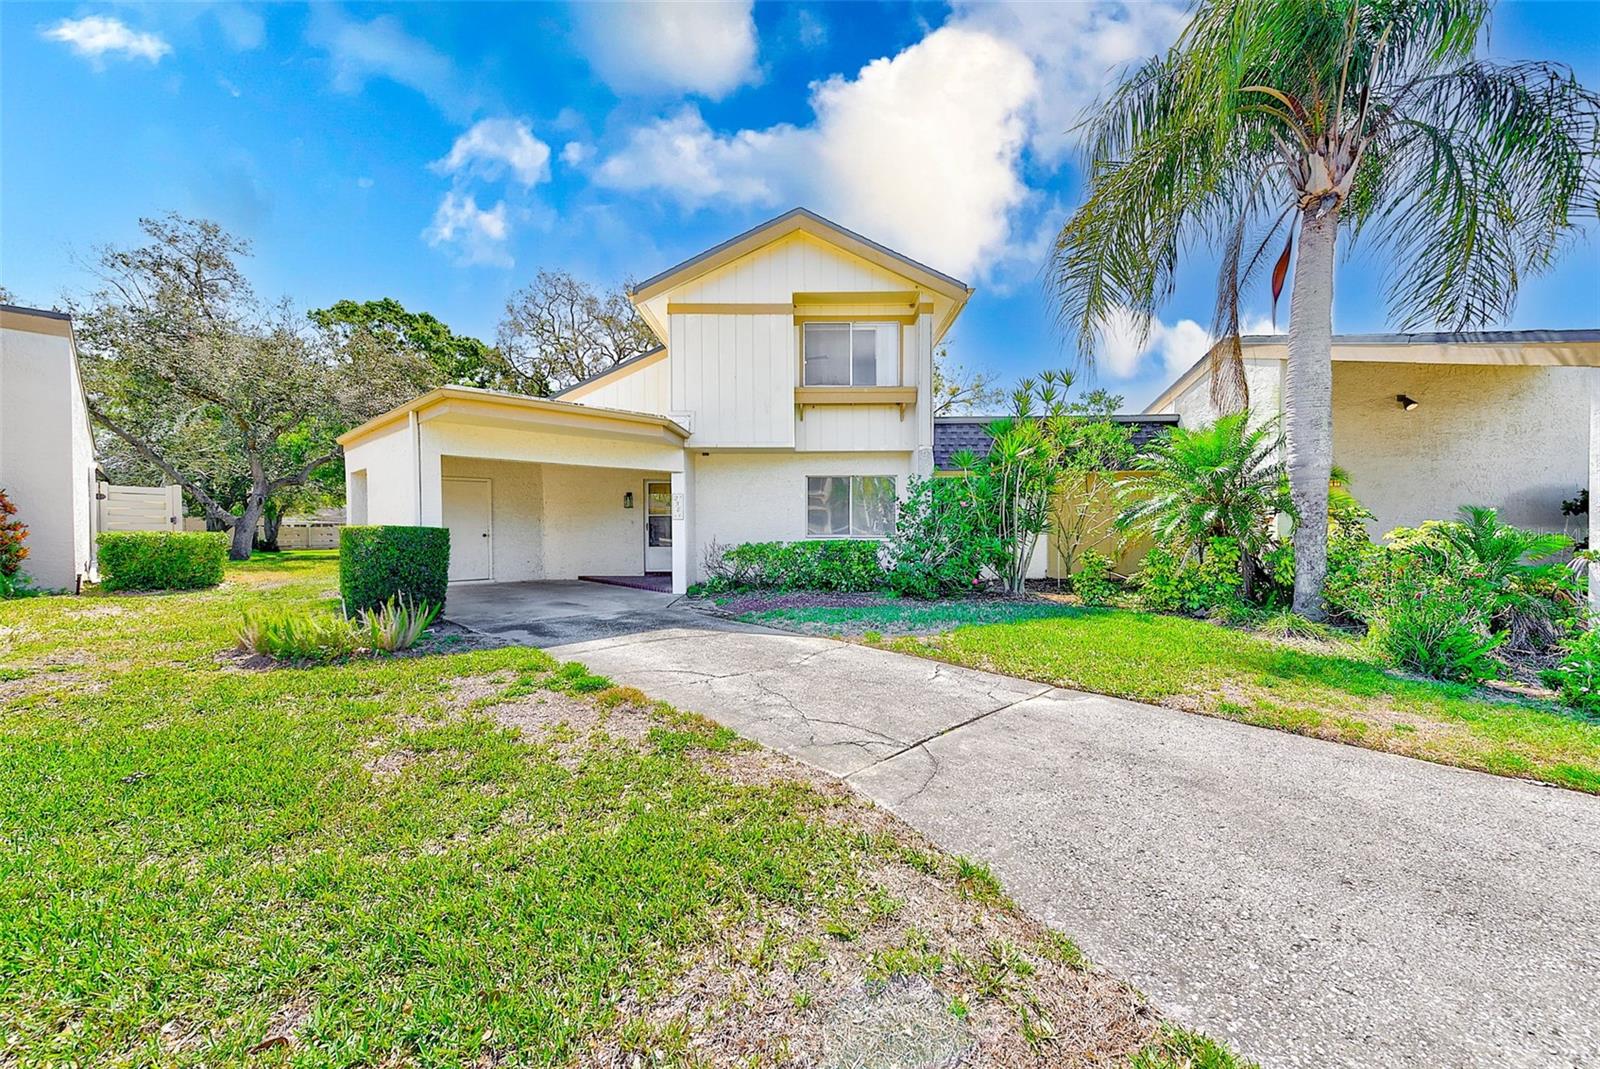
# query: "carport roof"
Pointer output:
{"type": "Point", "coordinates": [471, 398]}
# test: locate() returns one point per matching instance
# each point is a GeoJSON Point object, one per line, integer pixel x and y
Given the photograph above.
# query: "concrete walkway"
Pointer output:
{"type": "Point", "coordinates": [1312, 904]}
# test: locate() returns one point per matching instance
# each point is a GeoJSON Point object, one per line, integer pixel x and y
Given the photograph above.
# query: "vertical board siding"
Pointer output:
{"type": "Point", "coordinates": [736, 374]}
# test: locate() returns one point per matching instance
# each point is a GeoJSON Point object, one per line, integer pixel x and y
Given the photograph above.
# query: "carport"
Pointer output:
{"type": "Point", "coordinates": [530, 489]}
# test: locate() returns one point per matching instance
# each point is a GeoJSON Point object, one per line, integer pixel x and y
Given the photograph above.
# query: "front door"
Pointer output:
{"type": "Point", "coordinates": [469, 514]}
{"type": "Point", "coordinates": [658, 527]}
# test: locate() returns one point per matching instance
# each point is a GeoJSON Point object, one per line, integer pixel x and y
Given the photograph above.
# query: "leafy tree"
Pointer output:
{"type": "Point", "coordinates": [186, 367]}
{"type": "Point", "coordinates": [559, 331]}
{"type": "Point", "coordinates": [1221, 481]}
{"type": "Point", "coordinates": [1308, 116]}
{"type": "Point", "coordinates": [958, 391]}
{"type": "Point", "coordinates": [456, 359]}
{"type": "Point", "coordinates": [13, 532]}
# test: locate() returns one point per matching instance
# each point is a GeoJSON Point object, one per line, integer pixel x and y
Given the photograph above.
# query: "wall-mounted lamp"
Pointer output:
{"type": "Point", "coordinates": [627, 500]}
{"type": "Point", "coordinates": [1407, 403]}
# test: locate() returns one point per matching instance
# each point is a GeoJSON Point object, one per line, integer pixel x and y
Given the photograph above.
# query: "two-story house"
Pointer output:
{"type": "Point", "coordinates": [790, 399]}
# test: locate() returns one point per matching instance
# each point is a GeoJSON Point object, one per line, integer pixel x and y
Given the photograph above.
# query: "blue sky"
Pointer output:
{"type": "Point", "coordinates": [443, 154]}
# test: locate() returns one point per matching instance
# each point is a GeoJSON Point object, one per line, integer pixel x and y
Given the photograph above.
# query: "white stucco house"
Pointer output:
{"type": "Point", "coordinates": [47, 462]}
{"type": "Point", "coordinates": [1426, 423]}
{"type": "Point", "coordinates": [790, 398]}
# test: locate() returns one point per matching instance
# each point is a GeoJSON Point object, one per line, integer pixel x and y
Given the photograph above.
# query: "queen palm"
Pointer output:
{"type": "Point", "coordinates": [1280, 122]}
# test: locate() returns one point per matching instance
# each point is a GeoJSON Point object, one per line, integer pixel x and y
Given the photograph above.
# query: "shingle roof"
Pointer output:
{"type": "Point", "coordinates": [952, 434]}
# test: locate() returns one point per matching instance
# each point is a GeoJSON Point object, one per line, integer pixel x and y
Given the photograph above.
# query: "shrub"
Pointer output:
{"type": "Point", "coordinates": [1352, 561]}
{"type": "Point", "coordinates": [1209, 584]}
{"type": "Point", "coordinates": [296, 634]}
{"type": "Point", "coordinates": [944, 538]}
{"type": "Point", "coordinates": [12, 533]}
{"type": "Point", "coordinates": [1576, 676]}
{"type": "Point", "coordinates": [843, 565]}
{"type": "Point", "coordinates": [161, 560]}
{"type": "Point", "coordinates": [1439, 637]}
{"type": "Point", "coordinates": [383, 562]}
{"type": "Point", "coordinates": [1092, 582]}
{"type": "Point", "coordinates": [17, 585]}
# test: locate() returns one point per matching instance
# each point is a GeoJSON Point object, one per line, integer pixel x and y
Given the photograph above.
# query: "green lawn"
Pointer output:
{"type": "Point", "coordinates": [1334, 690]}
{"type": "Point", "coordinates": [470, 856]}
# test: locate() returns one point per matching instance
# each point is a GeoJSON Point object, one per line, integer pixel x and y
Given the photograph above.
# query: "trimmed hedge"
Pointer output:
{"type": "Point", "coordinates": [377, 563]}
{"type": "Point", "coordinates": [161, 560]}
{"type": "Point", "coordinates": [836, 564]}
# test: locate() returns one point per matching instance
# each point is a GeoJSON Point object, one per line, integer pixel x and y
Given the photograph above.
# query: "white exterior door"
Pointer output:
{"type": "Point", "coordinates": [468, 509]}
{"type": "Point", "coordinates": [658, 527]}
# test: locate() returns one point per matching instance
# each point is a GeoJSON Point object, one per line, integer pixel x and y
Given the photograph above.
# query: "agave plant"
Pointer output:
{"type": "Point", "coordinates": [1224, 480]}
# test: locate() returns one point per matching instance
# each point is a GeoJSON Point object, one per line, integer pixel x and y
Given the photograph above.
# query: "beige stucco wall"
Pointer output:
{"type": "Point", "coordinates": [553, 521]}
{"type": "Point", "coordinates": [761, 497]}
{"type": "Point", "coordinates": [1516, 438]}
{"type": "Point", "coordinates": [47, 453]}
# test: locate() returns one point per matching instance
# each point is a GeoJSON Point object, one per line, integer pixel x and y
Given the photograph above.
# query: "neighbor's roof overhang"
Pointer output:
{"type": "Point", "coordinates": [469, 404]}
{"type": "Point", "coordinates": [35, 320]}
{"type": "Point", "coordinates": [1483, 348]}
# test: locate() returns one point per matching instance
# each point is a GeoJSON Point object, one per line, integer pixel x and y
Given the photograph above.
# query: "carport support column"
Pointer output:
{"type": "Point", "coordinates": [683, 539]}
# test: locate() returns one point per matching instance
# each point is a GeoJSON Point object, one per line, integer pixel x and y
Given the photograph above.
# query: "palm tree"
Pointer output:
{"type": "Point", "coordinates": [1307, 116]}
{"type": "Point", "coordinates": [1225, 480]}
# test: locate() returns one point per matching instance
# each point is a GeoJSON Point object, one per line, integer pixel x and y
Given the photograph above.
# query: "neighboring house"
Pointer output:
{"type": "Point", "coordinates": [1426, 423]}
{"type": "Point", "coordinates": [790, 399]}
{"type": "Point", "coordinates": [47, 463]}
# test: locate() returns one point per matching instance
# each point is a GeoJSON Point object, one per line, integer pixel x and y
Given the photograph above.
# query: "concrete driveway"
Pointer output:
{"type": "Point", "coordinates": [1310, 903]}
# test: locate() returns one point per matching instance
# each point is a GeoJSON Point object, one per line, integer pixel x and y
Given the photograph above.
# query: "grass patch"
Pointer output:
{"type": "Point", "coordinates": [1332, 688]}
{"type": "Point", "coordinates": [872, 617]}
{"type": "Point", "coordinates": [475, 856]}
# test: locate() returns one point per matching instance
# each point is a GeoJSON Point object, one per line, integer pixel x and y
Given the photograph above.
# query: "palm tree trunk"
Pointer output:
{"type": "Point", "coordinates": [1308, 403]}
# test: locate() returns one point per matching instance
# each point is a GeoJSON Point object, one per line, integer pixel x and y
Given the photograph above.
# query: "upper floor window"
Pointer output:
{"type": "Point", "coordinates": [852, 354]}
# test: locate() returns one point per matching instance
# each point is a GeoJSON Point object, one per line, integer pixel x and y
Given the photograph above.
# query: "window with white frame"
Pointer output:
{"type": "Point", "coordinates": [850, 506]}
{"type": "Point", "coordinates": [852, 354]}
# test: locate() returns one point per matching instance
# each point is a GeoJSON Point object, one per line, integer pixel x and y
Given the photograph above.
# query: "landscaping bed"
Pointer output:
{"type": "Point", "coordinates": [472, 856]}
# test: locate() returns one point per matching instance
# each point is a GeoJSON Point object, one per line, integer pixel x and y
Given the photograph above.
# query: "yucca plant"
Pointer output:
{"type": "Point", "coordinates": [395, 625]}
{"type": "Point", "coordinates": [1220, 481]}
{"type": "Point", "coordinates": [298, 634]}
{"type": "Point", "coordinates": [1279, 123]}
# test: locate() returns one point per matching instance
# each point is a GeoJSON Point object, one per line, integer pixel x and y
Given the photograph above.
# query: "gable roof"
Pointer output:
{"type": "Point", "coordinates": [473, 399]}
{"type": "Point", "coordinates": [806, 221]}
{"type": "Point", "coordinates": [615, 369]}
{"type": "Point", "coordinates": [952, 434]}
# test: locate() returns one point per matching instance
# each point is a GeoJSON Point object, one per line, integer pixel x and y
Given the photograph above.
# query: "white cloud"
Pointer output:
{"type": "Point", "coordinates": [99, 36]}
{"type": "Point", "coordinates": [576, 153]}
{"type": "Point", "coordinates": [692, 46]}
{"type": "Point", "coordinates": [493, 146]}
{"type": "Point", "coordinates": [685, 159]}
{"type": "Point", "coordinates": [381, 48]}
{"type": "Point", "coordinates": [948, 112]}
{"type": "Point", "coordinates": [1079, 49]}
{"type": "Point", "coordinates": [1125, 344]}
{"type": "Point", "coordinates": [473, 235]}
{"type": "Point", "coordinates": [244, 28]}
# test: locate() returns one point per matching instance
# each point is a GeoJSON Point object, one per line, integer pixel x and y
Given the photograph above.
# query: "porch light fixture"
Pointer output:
{"type": "Point", "coordinates": [627, 500]}
{"type": "Point", "coordinates": [1407, 403]}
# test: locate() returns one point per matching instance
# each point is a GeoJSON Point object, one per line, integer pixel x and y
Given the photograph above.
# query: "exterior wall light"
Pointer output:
{"type": "Point", "coordinates": [1407, 403]}
{"type": "Point", "coordinates": [627, 500]}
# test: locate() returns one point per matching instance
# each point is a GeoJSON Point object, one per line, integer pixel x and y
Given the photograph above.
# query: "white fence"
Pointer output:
{"type": "Point", "coordinates": [140, 508]}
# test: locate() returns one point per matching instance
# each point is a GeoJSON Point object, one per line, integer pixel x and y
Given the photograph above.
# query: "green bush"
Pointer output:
{"type": "Point", "coordinates": [1199, 585]}
{"type": "Point", "coordinates": [840, 565]}
{"type": "Point", "coordinates": [161, 560]}
{"type": "Point", "coordinates": [379, 563]}
{"type": "Point", "coordinates": [944, 538]}
{"type": "Point", "coordinates": [1576, 675]}
{"type": "Point", "coordinates": [1439, 637]}
{"type": "Point", "coordinates": [1092, 582]}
